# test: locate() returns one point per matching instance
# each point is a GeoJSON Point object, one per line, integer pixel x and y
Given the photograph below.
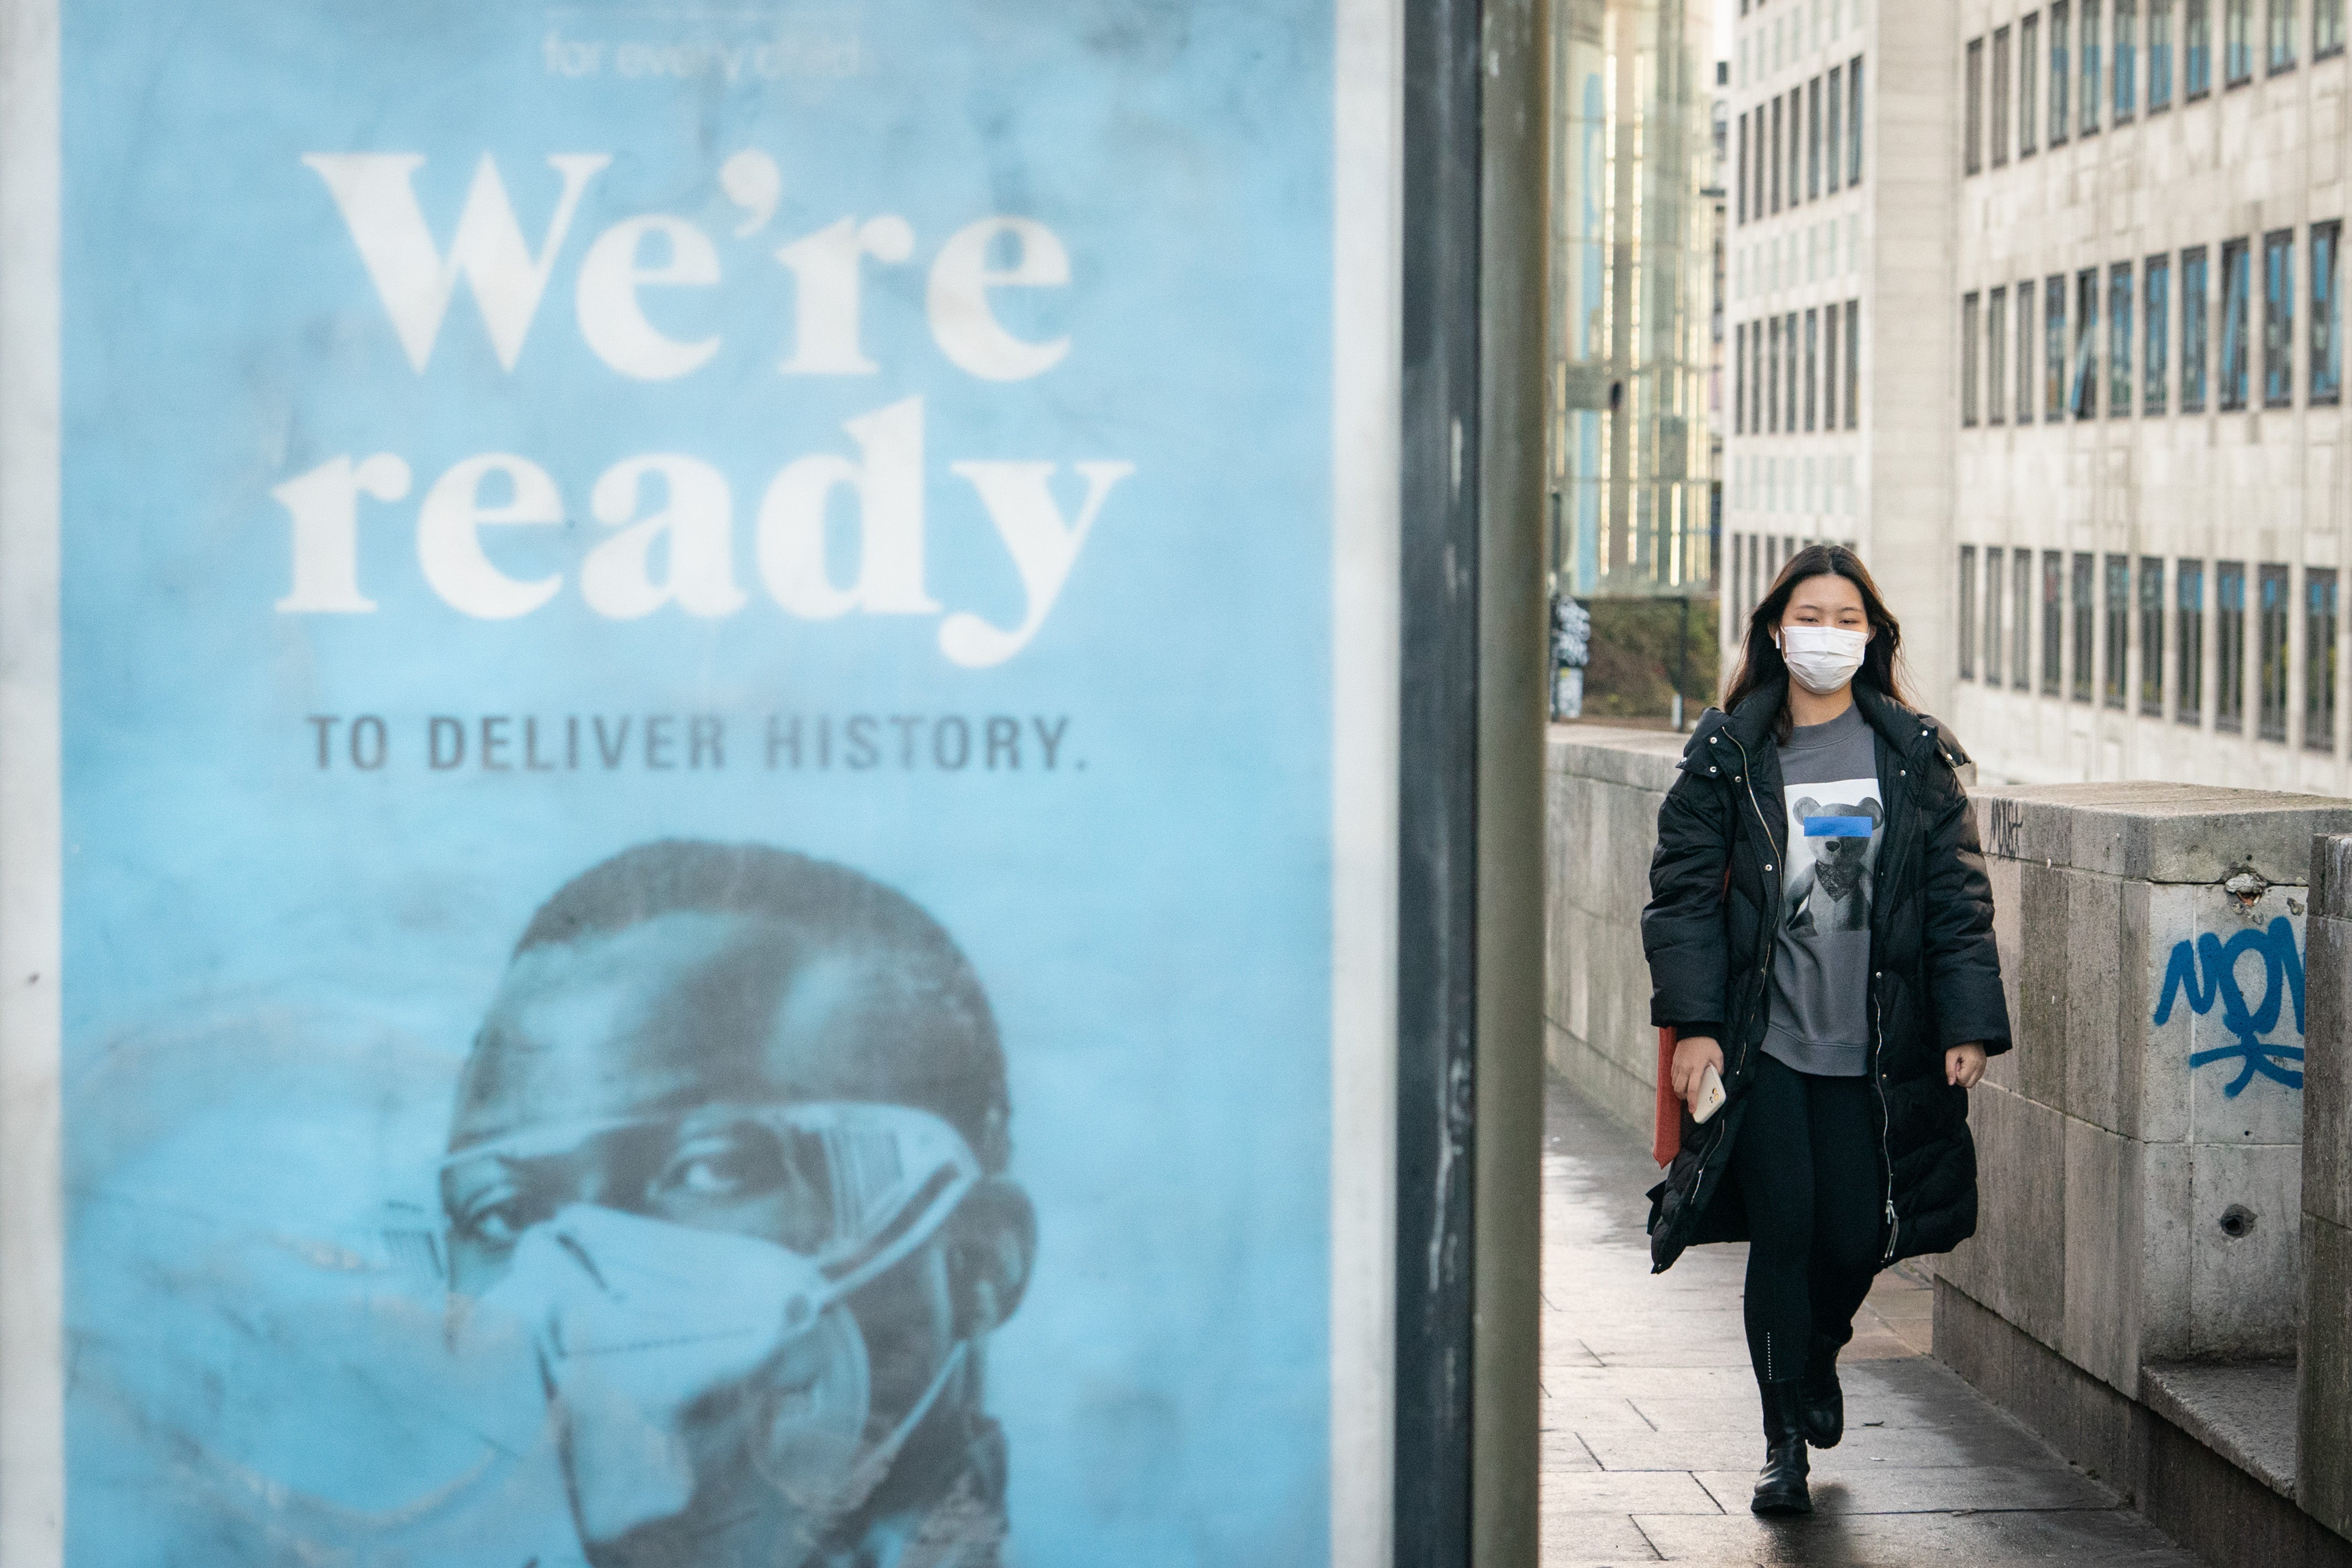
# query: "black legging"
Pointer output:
{"type": "Point", "coordinates": [1809, 1175]}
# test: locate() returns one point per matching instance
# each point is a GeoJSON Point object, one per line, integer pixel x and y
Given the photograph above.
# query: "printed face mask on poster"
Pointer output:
{"type": "Point", "coordinates": [1821, 659]}
{"type": "Point", "coordinates": [684, 1366]}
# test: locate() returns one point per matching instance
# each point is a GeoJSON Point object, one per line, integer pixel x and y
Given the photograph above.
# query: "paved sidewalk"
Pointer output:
{"type": "Point", "coordinates": [1651, 1436]}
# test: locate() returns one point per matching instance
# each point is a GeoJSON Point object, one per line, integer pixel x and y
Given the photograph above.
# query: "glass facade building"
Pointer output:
{"type": "Point", "coordinates": [1632, 238]}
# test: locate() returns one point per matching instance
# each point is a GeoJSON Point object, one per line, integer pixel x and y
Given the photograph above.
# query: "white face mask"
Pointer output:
{"type": "Point", "coordinates": [698, 1377]}
{"type": "Point", "coordinates": [1822, 659]}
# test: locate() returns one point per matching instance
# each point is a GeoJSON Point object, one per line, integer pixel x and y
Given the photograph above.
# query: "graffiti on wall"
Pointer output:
{"type": "Point", "coordinates": [2207, 972]}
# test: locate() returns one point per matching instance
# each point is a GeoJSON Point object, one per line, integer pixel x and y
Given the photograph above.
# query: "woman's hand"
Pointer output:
{"type": "Point", "coordinates": [1963, 1065]}
{"type": "Point", "coordinates": [1693, 1053]}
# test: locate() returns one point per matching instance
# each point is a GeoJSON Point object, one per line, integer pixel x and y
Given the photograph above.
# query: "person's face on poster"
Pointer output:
{"type": "Point", "coordinates": [684, 1163]}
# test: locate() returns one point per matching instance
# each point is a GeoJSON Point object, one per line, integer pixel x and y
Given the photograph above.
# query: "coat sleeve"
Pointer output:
{"type": "Point", "coordinates": [1963, 967]}
{"type": "Point", "coordinates": [1683, 930]}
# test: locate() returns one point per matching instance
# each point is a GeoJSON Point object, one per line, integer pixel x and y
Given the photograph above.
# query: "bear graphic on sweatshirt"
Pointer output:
{"type": "Point", "coordinates": [1833, 892]}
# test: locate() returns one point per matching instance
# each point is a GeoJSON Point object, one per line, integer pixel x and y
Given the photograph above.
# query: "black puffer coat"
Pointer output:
{"type": "Point", "coordinates": [1935, 977]}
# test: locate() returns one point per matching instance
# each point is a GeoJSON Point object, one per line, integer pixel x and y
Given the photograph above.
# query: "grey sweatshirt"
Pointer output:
{"type": "Point", "coordinates": [1821, 971]}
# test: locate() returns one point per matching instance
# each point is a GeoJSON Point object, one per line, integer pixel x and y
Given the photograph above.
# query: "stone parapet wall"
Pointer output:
{"type": "Point", "coordinates": [1603, 788]}
{"type": "Point", "coordinates": [2140, 1150]}
{"type": "Point", "coordinates": [2325, 1369]}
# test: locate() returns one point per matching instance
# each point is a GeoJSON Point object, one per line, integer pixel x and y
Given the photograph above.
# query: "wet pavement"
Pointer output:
{"type": "Point", "coordinates": [1651, 1436]}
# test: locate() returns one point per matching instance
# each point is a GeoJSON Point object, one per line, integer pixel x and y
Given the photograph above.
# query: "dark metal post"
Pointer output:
{"type": "Point", "coordinates": [1470, 893]}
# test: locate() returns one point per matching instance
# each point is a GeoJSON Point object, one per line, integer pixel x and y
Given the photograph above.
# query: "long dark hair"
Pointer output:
{"type": "Point", "coordinates": [1760, 663]}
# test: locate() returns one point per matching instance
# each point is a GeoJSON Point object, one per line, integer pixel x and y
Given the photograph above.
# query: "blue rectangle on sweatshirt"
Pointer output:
{"type": "Point", "coordinates": [1839, 827]}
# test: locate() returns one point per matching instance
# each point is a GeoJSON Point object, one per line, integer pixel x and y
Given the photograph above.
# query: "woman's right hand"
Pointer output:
{"type": "Point", "coordinates": [1693, 1053]}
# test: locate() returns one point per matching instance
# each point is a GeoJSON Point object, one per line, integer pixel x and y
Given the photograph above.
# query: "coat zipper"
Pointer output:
{"type": "Point", "coordinates": [1878, 1081]}
{"type": "Point", "coordinates": [1748, 783]}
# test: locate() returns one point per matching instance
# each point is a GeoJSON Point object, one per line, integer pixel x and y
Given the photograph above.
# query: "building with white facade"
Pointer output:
{"type": "Point", "coordinates": [2150, 507]}
{"type": "Point", "coordinates": [1841, 264]}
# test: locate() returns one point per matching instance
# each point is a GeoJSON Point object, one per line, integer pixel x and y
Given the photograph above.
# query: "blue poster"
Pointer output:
{"type": "Point", "coordinates": [695, 685]}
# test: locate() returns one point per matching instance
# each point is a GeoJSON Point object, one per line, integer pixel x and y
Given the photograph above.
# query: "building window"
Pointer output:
{"type": "Point", "coordinates": [2234, 295]}
{"type": "Point", "coordinates": [2126, 73]}
{"type": "Point", "coordinates": [1813, 139]}
{"type": "Point", "coordinates": [1772, 382]}
{"type": "Point", "coordinates": [2281, 53]}
{"type": "Point", "coordinates": [2236, 42]}
{"type": "Point", "coordinates": [2272, 714]}
{"type": "Point", "coordinates": [2326, 317]}
{"type": "Point", "coordinates": [2029, 84]}
{"type": "Point", "coordinates": [1754, 389]}
{"type": "Point", "coordinates": [1996, 356]}
{"type": "Point", "coordinates": [1774, 175]}
{"type": "Point", "coordinates": [2086, 343]}
{"type": "Point", "coordinates": [2054, 347]}
{"type": "Point", "coordinates": [2229, 646]}
{"type": "Point", "coordinates": [2151, 636]}
{"type": "Point", "coordinates": [2196, 48]}
{"type": "Point", "coordinates": [1835, 134]}
{"type": "Point", "coordinates": [1968, 612]}
{"type": "Point", "coordinates": [1830, 368]}
{"type": "Point", "coordinates": [2318, 659]}
{"type": "Point", "coordinates": [1740, 376]}
{"type": "Point", "coordinates": [2025, 352]}
{"type": "Point", "coordinates": [2086, 618]}
{"type": "Point", "coordinates": [2089, 112]}
{"type": "Point", "coordinates": [2155, 306]}
{"type": "Point", "coordinates": [1739, 201]}
{"type": "Point", "coordinates": [2193, 334]}
{"type": "Point", "coordinates": [2118, 628]}
{"type": "Point", "coordinates": [2119, 341]}
{"type": "Point", "coordinates": [1998, 113]}
{"type": "Point", "coordinates": [2327, 27]}
{"type": "Point", "coordinates": [1789, 391]}
{"type": "Point", "coordinates": [1972, 111]}
{"type": "Point", "coordinates": [1968, 360]}
{"type": "Point", "coordinates": [1853, 121]}
{"type": "Point", "coordinates": [2053, 619]}
{"type": "Point", "coordinates": [2062, 69]}
{"type": "Point", "coordinates": [2188, 659]}
{"type": "Point", "coordinates": [1853, 364]}
{"type": "Point", "coordinates": [2020, 621]}
{"type": "Point", "coordinates": [1796, 145]}
{"type": "Point", "coordinates": [1812, 366]}
{"type": "Point", "coordinates": [2278, 319]}
{"type": "Point", "coordinates": [2159, 55]}
{"type": "Point", "coordinates": [1992, 604]}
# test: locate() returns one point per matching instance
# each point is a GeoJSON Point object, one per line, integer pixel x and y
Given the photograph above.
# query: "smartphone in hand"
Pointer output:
{"type": "Point", "coordinates": [1710, 1094]}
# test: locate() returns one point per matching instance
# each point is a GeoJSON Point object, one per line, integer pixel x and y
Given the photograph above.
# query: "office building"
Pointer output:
{"type": "Point", "coordinates": [1842, 192]}
{"type": "Point", "coordinates": [2146, 394]}
{"type": "Point", "coordinates": [1632, 263]}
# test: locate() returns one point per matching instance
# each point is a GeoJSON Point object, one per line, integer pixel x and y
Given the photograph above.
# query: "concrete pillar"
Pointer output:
{"type": "Point", "coordinates": [2323, 1391]}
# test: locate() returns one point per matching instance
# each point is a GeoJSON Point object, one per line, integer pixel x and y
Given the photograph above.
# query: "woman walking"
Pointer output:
{"type": "Point", "coordinates": [1820, 939]}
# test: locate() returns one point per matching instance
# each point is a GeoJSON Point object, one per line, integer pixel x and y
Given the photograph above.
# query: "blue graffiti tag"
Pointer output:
{"type": "Point", "coordinates": [2280, 962]}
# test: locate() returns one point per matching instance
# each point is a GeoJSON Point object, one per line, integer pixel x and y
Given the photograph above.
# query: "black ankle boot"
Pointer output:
{"type": "Point", "coordinates": [1780, 1487]}
{"type": "Point", "coordinates": [1824, 1400]}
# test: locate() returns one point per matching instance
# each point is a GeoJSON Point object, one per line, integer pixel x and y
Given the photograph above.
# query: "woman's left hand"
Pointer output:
{"type": "Point", "coordinates": [1963, 1065]}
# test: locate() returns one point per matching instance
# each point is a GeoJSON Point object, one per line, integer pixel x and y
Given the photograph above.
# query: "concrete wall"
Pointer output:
{"type": "Point", "coordinates": [2140, 1179]}
{"type": "Point", "coordinates": [1603, 788]}
{"type": "Point", "coordinates": [2325, 1396]}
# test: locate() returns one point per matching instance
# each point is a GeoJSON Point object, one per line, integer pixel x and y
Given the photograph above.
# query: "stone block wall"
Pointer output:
{"type": "Point", "coordinates": [2324, 1395]}
{"type": "Point", "coordinates": [1603, 790]}
{"type": "Point", "coordinates": [2140, 1152]}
